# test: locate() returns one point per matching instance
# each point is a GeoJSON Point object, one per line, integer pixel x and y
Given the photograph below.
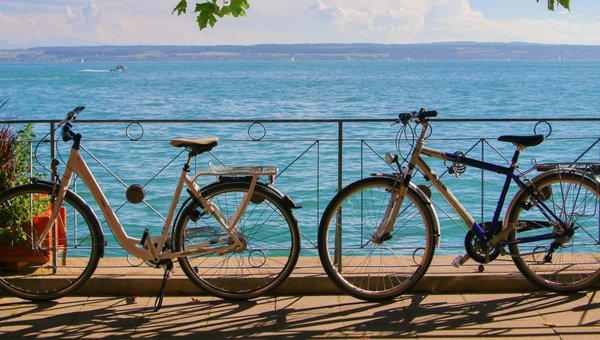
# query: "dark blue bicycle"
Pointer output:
{"type": "Point", "coordinates": [377, 236]}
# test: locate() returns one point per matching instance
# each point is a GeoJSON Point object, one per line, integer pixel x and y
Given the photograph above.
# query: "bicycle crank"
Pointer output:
{"type": "Point", "coordinates": [478, 250]}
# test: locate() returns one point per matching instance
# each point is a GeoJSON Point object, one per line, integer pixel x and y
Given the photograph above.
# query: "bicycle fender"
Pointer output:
{"type": "Point", "coordinates": [435, 220]}
{"type": "Point", "coordinates": [287, 199]}
{"type": "Point", "coordinates": [271, 190]}
{"type": "Point", "coordinates": [90, 211]}
{"type": "Point", "coordinates": [582, 172]}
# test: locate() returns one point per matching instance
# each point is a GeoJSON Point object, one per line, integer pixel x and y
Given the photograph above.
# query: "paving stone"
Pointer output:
{"type": "Point", "coordinates": [514, 315]}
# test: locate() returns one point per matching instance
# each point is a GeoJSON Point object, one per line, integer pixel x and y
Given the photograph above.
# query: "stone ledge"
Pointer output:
{"type": "Point", "coordinates": [115, 277]}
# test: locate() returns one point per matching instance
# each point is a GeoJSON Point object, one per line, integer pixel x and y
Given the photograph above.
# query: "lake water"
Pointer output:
{"type": "Point", "coordinates": [304, 91]}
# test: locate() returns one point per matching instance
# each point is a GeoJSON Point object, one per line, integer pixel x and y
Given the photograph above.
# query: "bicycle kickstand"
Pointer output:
{"type": "Point", "coordinates": [161, 293]}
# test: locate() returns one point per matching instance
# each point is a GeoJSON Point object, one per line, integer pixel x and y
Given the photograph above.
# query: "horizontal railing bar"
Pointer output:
{"type": "Point", "coordinates": [270, 140]}
{"type": "Point", "coordinates": [349, 120]}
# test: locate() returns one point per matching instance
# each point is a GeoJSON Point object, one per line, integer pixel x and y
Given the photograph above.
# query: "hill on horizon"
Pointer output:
{"type": "Point", "coordinates": [355, 51]}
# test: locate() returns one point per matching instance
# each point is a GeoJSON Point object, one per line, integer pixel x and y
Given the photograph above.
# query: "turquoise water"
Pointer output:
{"type": "Point", "coordinates": [304, 90]}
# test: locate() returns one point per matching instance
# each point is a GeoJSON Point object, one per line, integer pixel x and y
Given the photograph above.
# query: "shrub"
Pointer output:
{"type": "Point", "coordinates": [15, 165]}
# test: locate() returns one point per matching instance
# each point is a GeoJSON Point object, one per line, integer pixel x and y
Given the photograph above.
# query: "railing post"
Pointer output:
{"type": "Point", "coordinates": [54, 251]}
{"type": "Point", "coordinates": [52, 150]}
{"type": "Point", "coordinates": [340, 154]}
{"type": "Point", "coordinates": [338, 220]}
{"type": "Point", "coordinates": [482, 181]}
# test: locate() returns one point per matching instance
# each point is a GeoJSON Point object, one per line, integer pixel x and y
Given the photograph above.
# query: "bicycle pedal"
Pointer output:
{"type": "Point", "coordinates": [460, 260]}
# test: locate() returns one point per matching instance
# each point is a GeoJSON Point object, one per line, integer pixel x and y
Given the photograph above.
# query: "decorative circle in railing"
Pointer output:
{"type": "Point", "coordinates": [133, 264]}
{"type": "Point", "coordinates": [417, 254]}
{"type": "Point", "coordinates": [257, 131]}
{"type": "Point", "coordinates": [129, 133]}
{"type": "Point", "coordinates": [542, 122]}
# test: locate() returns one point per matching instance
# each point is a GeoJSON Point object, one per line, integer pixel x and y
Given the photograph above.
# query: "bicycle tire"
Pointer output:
{"type": "Point", "coordinates": [66, 260]}
{"type": "Point", "coordinates": [575, 264]}
{"type": "Point", "coordinates": [272, 236]}
{"type": "Point", "coordinates": [369, 270]}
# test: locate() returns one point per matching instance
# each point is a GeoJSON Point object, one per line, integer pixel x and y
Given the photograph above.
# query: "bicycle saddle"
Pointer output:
{"type": "Point", "coordinates": [522, 140]}
{"type": "Point", "coordinates": [196, 146]}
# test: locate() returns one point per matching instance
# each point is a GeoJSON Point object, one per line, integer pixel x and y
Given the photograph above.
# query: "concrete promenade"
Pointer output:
{"type": "Point", "coordinates": [447, 303]}
{"type": "Point", "coordinates": [427, 316]}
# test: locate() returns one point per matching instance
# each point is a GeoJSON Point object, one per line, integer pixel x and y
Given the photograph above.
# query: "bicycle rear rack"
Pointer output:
{"type": "Point", "coordinates": [591, 167]}
{"type": "Point", "coordinates": [238, 172]}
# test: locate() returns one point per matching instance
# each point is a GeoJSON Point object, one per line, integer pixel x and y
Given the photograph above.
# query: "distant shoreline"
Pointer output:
{"type": "Point", "coordinates": [299, 52]}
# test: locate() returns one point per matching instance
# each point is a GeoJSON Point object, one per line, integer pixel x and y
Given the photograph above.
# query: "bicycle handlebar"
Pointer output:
{"type": "Point", "coordinates": [415, 116]}
{"type": "Point", "coordinates": [67, 134]}
{"type": "Point", "coordinates": [72, 115]}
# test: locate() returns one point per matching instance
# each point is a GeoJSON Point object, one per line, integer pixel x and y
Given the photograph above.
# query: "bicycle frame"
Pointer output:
{"type": "Point", "coordinates": [153, 251]}
{"type": "Point", "coordinates": [492, 236]}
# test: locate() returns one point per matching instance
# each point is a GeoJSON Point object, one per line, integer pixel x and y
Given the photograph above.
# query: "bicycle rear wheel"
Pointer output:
{"type": "Point", "coordinates": [68, 256]}
{"type": "Point", "coordinates": [268, 227]}
{"type": "Point", "coordinates": [564, 264]}
{"type": "Point", "coordinates": [367, 269]}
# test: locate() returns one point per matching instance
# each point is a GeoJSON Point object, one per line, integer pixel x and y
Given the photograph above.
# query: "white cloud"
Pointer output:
{"type": "Point", "coordinates": [70, 22]}
{"type": "Point", "coordinates": [455, 20]}
{"type": "Point", "coordinates": [83, 19]}
{"type": "Point", "coordinates": [384, 21]}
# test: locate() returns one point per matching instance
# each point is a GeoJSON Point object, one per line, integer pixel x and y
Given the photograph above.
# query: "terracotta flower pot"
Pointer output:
{"type": "Point", "coordinates": [16, 256]}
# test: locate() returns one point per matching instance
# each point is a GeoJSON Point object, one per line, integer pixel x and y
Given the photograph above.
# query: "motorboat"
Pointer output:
{"type": "Point", "coordinates": [119, 68]}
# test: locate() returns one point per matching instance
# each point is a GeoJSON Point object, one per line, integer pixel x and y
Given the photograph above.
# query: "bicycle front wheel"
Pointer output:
{"type": "Point", "coordinates": [368, 269]}
{"type": "Point", "coordinates": [68, 255]}
{"type": "Point", "coordinates": [267, 228]}
{"type": "Point", "coordinates": [561, 264]}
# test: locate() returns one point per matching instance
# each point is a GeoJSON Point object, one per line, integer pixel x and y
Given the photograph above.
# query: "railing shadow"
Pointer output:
{"type": "Point", "coordinates": [430, 316]}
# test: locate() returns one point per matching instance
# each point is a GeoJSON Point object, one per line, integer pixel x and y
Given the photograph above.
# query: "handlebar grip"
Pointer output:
{"type": "Point", "coordinates": [427, 114]}
{"type": "Point", "coordinates": [415, 116]}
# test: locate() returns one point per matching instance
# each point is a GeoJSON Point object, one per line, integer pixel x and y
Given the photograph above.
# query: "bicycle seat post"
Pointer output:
{"type": "Point", "coordinates": [186, 166]}
{"type": "Point", "coordinates": [515, 157]}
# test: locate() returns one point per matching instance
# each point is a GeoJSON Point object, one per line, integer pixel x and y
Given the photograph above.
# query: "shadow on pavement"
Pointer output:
{"type": "Point", "coordinates": [424, 315]}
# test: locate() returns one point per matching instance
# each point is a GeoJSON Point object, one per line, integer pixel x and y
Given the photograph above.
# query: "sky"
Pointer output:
{"type": "Point", "coordinates": [35, 23]}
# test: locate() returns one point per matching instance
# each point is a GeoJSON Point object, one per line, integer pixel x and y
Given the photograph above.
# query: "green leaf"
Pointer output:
{"type": "Point", "coordinates": [205, 18]}
{"type": "Point", "coordinates": [243, 3]}
{"type": "Point", "coordinates": [239, 7]}
{"type": "Point", "coordinates": [181, 7]}
{"type": "Point", "coordinates": [225, 10]}
{"type": "Point", "coordinates": [206, 14]}
{"type": "Point", "coordinates": [209, 10]}
{"type": "Point", "coordinates": [207, 7]}
{"type": "Point", "coordinates": [564, 3]}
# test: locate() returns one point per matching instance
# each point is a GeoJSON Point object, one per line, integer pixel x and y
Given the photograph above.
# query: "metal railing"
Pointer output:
{"type": "Point", "coordinates": [315, 157]}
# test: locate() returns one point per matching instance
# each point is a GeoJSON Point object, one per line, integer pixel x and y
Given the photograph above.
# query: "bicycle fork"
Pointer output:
{"type": "Point", "coordinates": [398, 192]}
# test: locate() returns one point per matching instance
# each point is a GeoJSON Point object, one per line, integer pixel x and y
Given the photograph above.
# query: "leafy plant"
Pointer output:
{"type": "Point", "coordinates": [15, 165]}
{"type": "Point", "coordinates": [552, 4]}
{"type": "Point", "coordinates": [14, 156]}
{"type": "Point", "coordinates": [209, 11]}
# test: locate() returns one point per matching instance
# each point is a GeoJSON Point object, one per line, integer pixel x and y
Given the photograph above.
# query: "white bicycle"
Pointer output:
{"type": "Point", "coordinates": [237, 237]}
